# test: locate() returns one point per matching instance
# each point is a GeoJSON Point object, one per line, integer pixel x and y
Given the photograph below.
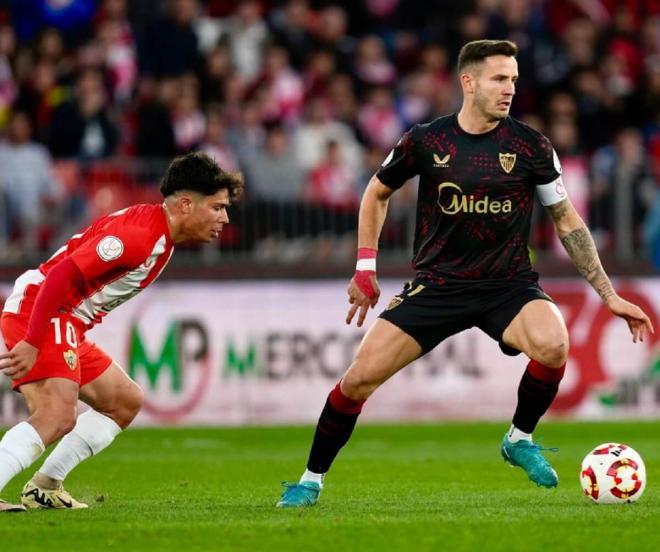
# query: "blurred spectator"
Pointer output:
{"type": "Point", "coordinates": [247, 137]}
{"type": "Point", "coordinates": [8, 86]}
{"type": "Point", "coordinates": [72, 17]}
{"type": "Point", "coordinates": [378, 119]}
{"type": "Point", "coordinates": [215, 143]}
{"type": "Point", "coordinates": [217, 69]}
{"type": "Point", "coordinates": [577, 50]}
{"type": "Point", "coordinates": [520, 21]}
{"type": "Point", "coordinates": [342, 101]}
{"type": "Point", "coordinates": [319, 73]}
{"type": "Point", "coordinates": [434, 59]}
{"type": "Point", "coordinates": [273, 174]}
{"type": "Point", "coordinates": [48, 47]}
{"type": "Point", "coordinates": [233, 97]}
{"type": "Point", "coordinates": [563, 133]}
{"type": "Point", "coordinates": [644, 103]}
{"type": "Point", "coordinates": [208, 30]}
{"type": "Point", "coordinates": [621, 192]}
{"type": "Point", "coordinates": [118, 48]}
{"type": "Point", "coordinates": [317, 130]}
{"type": "Point", "coordinates": [289, 24]}
{"type": "Point", "coordinates": [281, 86]}
{"type": "Point", "coordinates": [169, 44]}
{"type": "Point", "coordinates": [39, 95]}
{"type": "Point", "coordinates": [187, 119]}
{"type": "Point", "coordinates": [372, 67]}
{"type": "Point", "coordinates": [332, 183]}
{"type": "Point", "coordinates": [600, 114]}
{"type": "Point", "coordinates": [650, 36]}
{"type": "Point", "coordinates": [332, 188]}
{"type": "Point", "coordinates": [154, 133]}
{"type": "Point", "coordinates": [651, 230]}
{"type": "Point", "coordinates": [416, 99]}
{"type": "Point", "coordinates": [274, 182]}
{"type": "Point", "coordinates": [329, 30]}
{"type": "Point", "coordinates": [247, 34]}
{"type": "Point", "coordinates": [83, 127]}
{"type": "Point", "coordinates": [406, 52]}
{"type": "Point", "coordinates": [26, 184]}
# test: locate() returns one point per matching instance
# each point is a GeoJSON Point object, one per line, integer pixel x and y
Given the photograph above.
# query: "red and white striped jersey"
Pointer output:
{"type": "Point", "coordinates": [119, 255]}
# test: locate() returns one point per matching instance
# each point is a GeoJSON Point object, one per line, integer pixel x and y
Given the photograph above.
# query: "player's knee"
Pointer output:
{"type": "Point", "coordinates": [134, 401]}
{"type": "Point", "coordinates": [131, 403]}
{"type": "Point", "coordinates": [356, 387]}
{"type": "Point", "coordinates": [53, 420]}
{"type": "Point", "coordinates": [553, 352]}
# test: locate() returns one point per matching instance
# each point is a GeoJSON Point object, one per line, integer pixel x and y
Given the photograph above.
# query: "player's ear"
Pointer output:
{"type": "Point", "coordinates": [186, 203]}
{"type": "Point", "coordinates": [467, 82]}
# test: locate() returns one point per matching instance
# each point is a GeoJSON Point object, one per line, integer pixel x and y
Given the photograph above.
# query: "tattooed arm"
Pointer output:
{"type": "Point", "coordinates": [577, 240]}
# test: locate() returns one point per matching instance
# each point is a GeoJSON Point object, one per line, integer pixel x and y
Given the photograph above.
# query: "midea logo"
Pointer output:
{"type": "Point", "coordinates": [461, 203]}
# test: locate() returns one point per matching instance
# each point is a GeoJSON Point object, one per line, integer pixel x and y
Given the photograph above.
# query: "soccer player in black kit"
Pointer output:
{"type": "Point", "coordinates": [479, 170]}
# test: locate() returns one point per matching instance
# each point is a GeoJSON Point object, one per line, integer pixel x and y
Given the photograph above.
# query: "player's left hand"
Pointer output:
{"type": "Point", "coordinates": [19, 361]}
{"type": "Point", "coordinates": [638, 322]}
{"type": "Point", "coordinates": [363, 293]}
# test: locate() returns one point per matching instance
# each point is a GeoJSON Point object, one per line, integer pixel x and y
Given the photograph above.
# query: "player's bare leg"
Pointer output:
{"type": "Point", "coordinates": [384, 351]}
{"type": "Point", "coordinates": [52, 404]}
{"type": "Point", "coordinates": [540, 332]}
{"type": "Point", "coordinates": [115, 400]}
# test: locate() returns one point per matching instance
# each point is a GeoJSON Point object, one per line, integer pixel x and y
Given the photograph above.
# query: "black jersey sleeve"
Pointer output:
{"type": "Point", "coordinates": [400, 165]}
{"type": "Point", "coordinates": [546, 166]}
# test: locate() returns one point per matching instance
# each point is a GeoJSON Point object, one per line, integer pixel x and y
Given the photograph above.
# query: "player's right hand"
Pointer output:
{"type": "Point", "coordinates": [363, 292]}
{"type": "Point", "coordinates": [19, 361]}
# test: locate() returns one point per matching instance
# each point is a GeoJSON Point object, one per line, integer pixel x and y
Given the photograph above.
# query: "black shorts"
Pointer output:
{"type": "Point", "coordinates": [430, 313]}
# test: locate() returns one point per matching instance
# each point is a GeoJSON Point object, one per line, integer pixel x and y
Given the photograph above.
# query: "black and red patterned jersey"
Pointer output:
{"type": "Point", "coordinates": [475, 198]}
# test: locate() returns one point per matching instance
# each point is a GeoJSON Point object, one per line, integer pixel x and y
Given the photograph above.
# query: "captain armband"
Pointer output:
{"type": "Point", "coordinates": [552, 192]}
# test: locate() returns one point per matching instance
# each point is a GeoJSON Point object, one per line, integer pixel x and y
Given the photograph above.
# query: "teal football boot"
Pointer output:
{"type": "Point", "coordinates": [297, 495]}
{"type": "Point", "coordinates": [527, 455]}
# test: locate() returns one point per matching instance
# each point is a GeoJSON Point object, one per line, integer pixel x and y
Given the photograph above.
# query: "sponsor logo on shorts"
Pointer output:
{"type": "Point", "coordinates": [110, 248]}
{"type": "Point", "coordinates": [71, 359]}
{"type": "Point", "coordinates": [395, 302]}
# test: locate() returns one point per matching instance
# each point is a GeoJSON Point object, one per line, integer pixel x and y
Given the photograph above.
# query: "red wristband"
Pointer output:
{"type": "Point", "coordinates": [367, 253]}
{"type": "Point", "coordinates": [366, 259]}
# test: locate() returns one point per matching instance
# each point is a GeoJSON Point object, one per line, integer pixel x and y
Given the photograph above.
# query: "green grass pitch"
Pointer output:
{"type": "Point", "coordinates": [394, 487]}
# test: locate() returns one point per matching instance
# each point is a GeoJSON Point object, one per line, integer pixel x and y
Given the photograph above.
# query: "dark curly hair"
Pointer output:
{"type": "Point", "coordinates": [478, 50]}
{"type": "Point", "coordinates": [197, 172]}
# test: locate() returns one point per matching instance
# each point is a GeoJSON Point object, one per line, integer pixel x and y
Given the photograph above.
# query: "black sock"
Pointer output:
{"type": "Point", "coordinates": [333, 430]}
{"type": "Point", "coordinates": [537, 389]}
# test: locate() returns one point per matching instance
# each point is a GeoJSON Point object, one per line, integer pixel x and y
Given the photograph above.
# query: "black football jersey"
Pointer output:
{"type": "Point", "coordinates": [475, 198]}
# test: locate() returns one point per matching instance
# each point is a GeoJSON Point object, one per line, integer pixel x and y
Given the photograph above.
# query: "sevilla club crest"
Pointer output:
{"type": "Point", "coordinates": [508, 161]}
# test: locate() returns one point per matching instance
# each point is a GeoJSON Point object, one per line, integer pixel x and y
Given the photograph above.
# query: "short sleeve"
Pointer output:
{"type": "Point", "coordinates": [400, 165]}
{"type": "Point", "coordinates": [545, 164]}
{"type": "Point", "coordinates": [111, 251]}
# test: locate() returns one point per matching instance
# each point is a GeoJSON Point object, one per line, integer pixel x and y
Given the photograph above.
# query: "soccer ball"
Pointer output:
{"type": "Point", "coordinates": [613, 474]}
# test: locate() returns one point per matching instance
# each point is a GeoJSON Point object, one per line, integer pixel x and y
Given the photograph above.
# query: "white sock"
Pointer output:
{"type": "Point", "coordinates": [19, 447]}
{"type": "Point", "coordinates": [311, 476]}
{"type": "Point", "coordinates": [93, 432]}
{"type": "Point", "coordinates": [514, 435]}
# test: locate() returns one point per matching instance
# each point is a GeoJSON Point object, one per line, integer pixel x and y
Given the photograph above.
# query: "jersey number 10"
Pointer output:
{"type": "Point", "coordinates": [71, 337]}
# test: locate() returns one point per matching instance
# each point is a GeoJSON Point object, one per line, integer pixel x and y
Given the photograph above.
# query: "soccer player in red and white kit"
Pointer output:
{"type": "Point", "coordinates": [479, 171]}
{"type": "Point", "coordinates": [44, 321]}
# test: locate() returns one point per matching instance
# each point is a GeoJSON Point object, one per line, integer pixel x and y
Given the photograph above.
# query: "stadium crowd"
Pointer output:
{"type": "Point", "coordinates": [306, 98]}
